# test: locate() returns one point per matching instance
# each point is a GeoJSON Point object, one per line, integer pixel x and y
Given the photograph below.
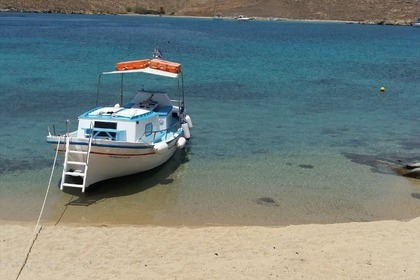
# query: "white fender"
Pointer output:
{"type": "Point", "coordinates": [181, 142]}
{"type": "Point", "coordinates": [189, 121]}
{"type": "Point", "coordinates": [186, 130]}
{"type": "Point", "coordinates": [161, 147]}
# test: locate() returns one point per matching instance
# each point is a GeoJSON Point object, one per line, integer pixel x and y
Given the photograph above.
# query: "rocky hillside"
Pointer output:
{"type": "Point", "coordinates": [368, 11]}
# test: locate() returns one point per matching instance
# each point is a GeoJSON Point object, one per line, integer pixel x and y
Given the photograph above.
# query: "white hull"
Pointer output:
{"type": "Point", "coordinates": [416, 22]}
{"type": "Point", "coordinates": [107, 162]}
{"type": "Point", "coordinates": [242, 18]}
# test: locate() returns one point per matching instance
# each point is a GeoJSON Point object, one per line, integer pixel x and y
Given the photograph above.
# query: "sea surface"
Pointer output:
{"type": "Point", "coordinates": [290, 125]}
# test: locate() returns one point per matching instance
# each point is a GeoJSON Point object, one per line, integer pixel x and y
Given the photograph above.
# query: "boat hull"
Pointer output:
{"type": "Point", "coordinates": [111, 160]}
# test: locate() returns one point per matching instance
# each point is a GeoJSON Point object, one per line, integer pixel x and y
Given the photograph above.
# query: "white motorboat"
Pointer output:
{"type": "Point", "coordinates": [123, 139]}
{"type": "Point", "coordinates": [416, 22]}
{"type": "Point", "coordinates": [242, 18]}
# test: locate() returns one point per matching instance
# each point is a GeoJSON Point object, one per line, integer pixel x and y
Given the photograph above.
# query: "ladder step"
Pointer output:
{"type": "Point", "coordinates": [72, 185]}
{"type": "Point", "coordinates": [81, 174]}
{"type": "Point", "coordinates": [77, 152]}
{"type": "Point", "coordinates": [77, 163]}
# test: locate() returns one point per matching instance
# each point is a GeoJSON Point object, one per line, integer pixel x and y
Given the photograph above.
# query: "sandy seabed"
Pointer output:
{"type": "Point", "coordinates": [373, 250]}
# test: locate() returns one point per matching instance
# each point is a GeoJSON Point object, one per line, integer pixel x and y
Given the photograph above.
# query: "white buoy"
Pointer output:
{"type": "Point", "coordinates": [186, 130]}
{"type": "Point", "coordinates": [160, 147]}
{"type": "Point", "coordinates": [181, 142]}
{"type": "Point", "coordinates": [189, 121]}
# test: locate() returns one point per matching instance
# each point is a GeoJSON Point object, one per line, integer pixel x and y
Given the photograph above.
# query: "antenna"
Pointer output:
{"type": "Point", "coordinates": [157, 53]}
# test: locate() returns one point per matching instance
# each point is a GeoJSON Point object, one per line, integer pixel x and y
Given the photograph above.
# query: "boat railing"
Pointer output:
{"type": "Point", "coordinates": [151, 137]}
{"type": "Point", "coordinates": [52, 132]}
{"type": "Point", "coordinates": [176, 103]}
{"type": "Point", "coordinates": [107, 133]}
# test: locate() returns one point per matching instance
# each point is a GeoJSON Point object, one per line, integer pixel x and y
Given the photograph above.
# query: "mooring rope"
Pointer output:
{"type": "Point", "coordinates": [36, 230]}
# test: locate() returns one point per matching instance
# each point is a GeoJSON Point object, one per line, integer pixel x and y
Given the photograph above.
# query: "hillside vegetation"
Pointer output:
{"type": "Point", "coordinates": [368, 11]}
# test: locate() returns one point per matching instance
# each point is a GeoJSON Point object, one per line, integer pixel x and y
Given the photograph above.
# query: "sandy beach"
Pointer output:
{"type": "Point", "coordinates": [373, 250]}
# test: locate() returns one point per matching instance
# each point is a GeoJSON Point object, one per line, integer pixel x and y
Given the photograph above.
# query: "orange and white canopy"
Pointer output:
{"type": "Point", "coordinates": [150, 66]}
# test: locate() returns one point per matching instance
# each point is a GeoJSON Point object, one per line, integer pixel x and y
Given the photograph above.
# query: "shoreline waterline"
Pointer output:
{"type": "Point", "coordinates": [279, 19]}
{"type": "Point", "coordinates": [187, 195]}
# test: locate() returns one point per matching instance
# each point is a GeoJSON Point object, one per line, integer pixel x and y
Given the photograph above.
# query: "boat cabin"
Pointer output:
{"type": "Point", "coordinates": [147, 118]}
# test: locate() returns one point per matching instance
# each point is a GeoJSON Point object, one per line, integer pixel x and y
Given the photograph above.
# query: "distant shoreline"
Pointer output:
{"type": "Point", "coordinates": [363, 22]}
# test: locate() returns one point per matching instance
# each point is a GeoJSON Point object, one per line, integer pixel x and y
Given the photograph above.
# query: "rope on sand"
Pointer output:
{"type": "Point", "coordinates": [36, 230]}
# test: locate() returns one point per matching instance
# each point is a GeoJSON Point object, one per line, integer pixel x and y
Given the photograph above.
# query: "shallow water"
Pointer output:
{"type": "Point", "coordinates": [280, 111]}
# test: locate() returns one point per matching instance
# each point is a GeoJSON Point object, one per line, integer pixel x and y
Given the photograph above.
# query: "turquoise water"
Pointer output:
{"type": "Point", "coordinates": [289, 111]}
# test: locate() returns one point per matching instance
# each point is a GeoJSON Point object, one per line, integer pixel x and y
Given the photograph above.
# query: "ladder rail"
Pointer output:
{"type": "Point", "coordinates": [66, 155]}
{"type": "Point", "coordinates": [84, 163]}
{"type": "Point", "coordinates": [87, 161]}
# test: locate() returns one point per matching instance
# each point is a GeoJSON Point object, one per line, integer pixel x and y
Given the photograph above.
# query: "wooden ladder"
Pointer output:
{"type": "Point", "coordinates": [78, 169]}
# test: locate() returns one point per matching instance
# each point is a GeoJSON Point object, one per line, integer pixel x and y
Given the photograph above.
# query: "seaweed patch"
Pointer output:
{"type": "Point", "coordinates": [306, 166]}
{"type": "Point", "coordinates": [267, 201]}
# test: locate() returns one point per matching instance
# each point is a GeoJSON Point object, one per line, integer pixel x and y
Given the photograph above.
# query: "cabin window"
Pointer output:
{"type": "Point", "coordinates": [106, 126]}
{"type": "Point", "coordinates": [148, 129]}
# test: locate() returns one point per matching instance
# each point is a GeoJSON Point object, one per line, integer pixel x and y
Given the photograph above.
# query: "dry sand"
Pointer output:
{"type": "Point", "coordinates": [374, 250]}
